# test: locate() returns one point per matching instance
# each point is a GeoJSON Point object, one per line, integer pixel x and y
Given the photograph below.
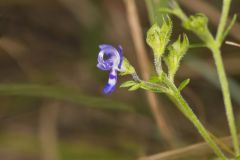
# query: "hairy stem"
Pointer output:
{"type": "Point", "coordinates": [226, 96]}
{"type": "Point", "coordinates": [187, 111]}
{"type": "Point", "coordinates": [222, 75]}
{"type": "Point", "coordinates": [215, 48]}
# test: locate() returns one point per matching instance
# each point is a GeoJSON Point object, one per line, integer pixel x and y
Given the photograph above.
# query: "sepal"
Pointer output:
{"type": "Point", "coordinates": [176, 52]}
{"type": "Point", "coordinates": [128, 84]}
{"type": "Point", "coordinates": [126, 68]}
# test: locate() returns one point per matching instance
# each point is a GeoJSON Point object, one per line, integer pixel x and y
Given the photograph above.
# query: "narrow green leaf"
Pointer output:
{"type": "Point", "coordinates": [229, 27]}
{"type": "Point", "coordinates": [128, 84]}
{"type": "Point", "coordinates": [153, 89]}
{"type": "Point", "coordinates": [135, 87]}
{"type": "Point", "coordinates": [183, 84]}
{"type": "Point", "coordinates": [166, 10]}
{"type": "Point", "coordinates": [61, 93]}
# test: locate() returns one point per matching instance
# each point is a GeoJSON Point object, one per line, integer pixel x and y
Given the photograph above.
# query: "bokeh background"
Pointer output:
{"type": "Point", "coordinates": [52, 105]}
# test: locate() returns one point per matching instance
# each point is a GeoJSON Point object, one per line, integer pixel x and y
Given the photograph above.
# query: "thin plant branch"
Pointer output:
{"type": "Point", "coordinates": [141, 53]}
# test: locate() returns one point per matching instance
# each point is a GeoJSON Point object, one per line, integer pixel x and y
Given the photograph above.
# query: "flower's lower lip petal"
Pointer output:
{"type": "Point", "coordinates": [109, 88]}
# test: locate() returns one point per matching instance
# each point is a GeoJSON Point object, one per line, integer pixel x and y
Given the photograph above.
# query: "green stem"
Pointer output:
{"type": "Point", "coordinates": [178, 12]}
{"type": "Point", "coordinates": [187, 111]}
{"type": "Point", "coordinates": [226, 96]}
{"type": "Point", "coordinates": [222, 75]}
{"type": "Point", "coordinates": [183, 106]}
{"type": "Point", "coordinates": [150, 8]}
{"type": "Point", "coordinates": [215, 48]}
{"type": "Point", "coordinates": [223, 20]}
{"type": "Point", "coordinates": [176, 97]}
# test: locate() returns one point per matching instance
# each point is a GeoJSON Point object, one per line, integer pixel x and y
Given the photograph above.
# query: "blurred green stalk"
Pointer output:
{"type": "Point", "coordinates": [152, 8]}
{"type": "Point", "coordinates": [62, 93]}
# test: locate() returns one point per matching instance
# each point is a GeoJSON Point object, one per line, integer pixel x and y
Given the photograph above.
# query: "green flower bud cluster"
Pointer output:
{"type": "Point", "coordinates": [199, 25]}
{"type": "Point", "coordinates": [158, 38]}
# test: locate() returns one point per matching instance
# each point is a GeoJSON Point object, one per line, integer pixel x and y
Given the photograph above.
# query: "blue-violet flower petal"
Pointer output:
{"type": "Point", "coordinates": [110, 59]}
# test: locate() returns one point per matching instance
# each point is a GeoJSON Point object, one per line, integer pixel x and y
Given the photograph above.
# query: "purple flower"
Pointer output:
{"type": "Point", "coordinates": [110, 59]}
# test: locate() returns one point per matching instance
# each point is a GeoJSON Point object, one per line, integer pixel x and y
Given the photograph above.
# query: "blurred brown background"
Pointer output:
{"type": "Point", "coordinates": [55, 43]}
